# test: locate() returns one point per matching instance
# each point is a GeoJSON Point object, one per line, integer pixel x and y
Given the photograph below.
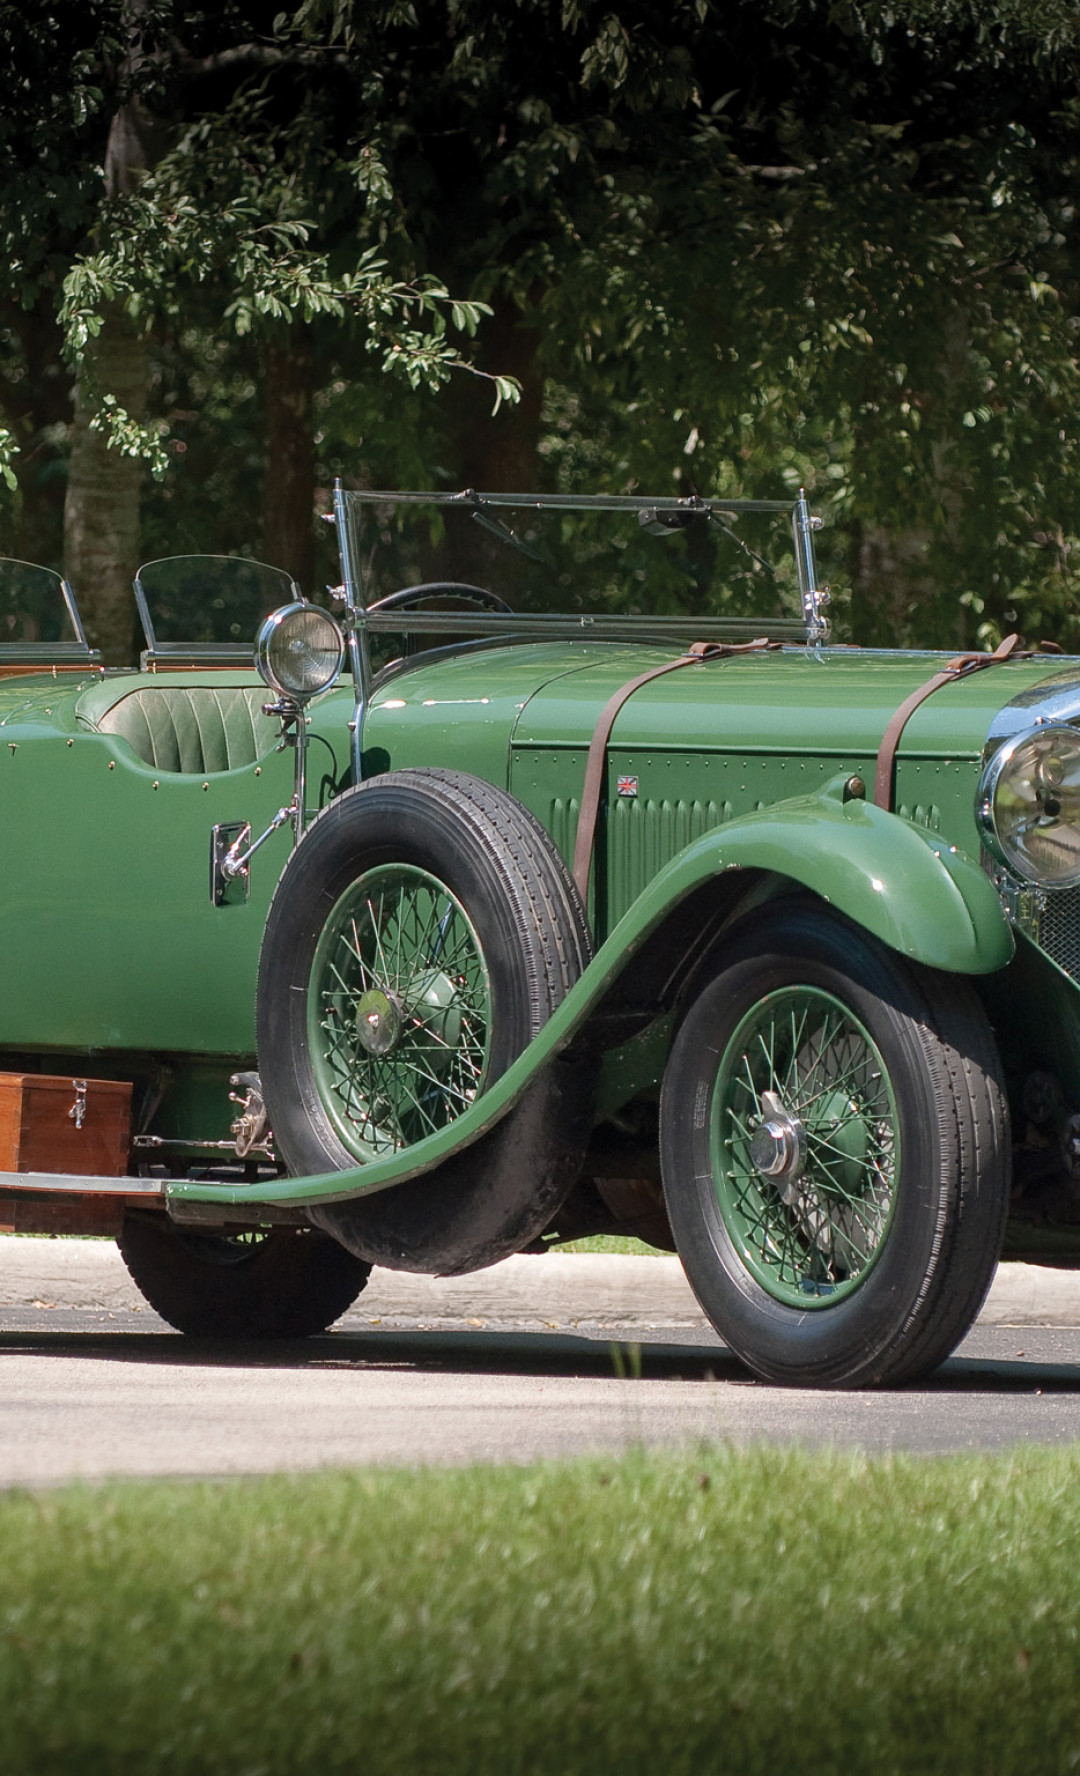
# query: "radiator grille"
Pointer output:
{"type": "Point", "coordinates": [646, 834]}
{"type": "Point", "coordinates": [1058, 930]}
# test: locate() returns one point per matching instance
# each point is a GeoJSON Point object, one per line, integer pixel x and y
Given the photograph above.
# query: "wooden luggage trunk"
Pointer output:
{"type": "Point", "coordinates": [52, 1123]}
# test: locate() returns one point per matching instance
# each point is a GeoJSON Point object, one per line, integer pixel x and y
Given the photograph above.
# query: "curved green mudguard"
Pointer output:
{"type": "Point", "coordinates": [899, 881]}
{"type": "Point", "coordinates": [895, 879]}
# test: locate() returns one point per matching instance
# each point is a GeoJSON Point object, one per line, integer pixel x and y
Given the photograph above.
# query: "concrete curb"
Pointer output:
{"type": "Point", "coordinates": [555, 1289]}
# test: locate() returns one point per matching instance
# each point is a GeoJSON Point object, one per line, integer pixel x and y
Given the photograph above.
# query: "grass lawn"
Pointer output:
{"type": "Point", "coordinates": [719, 1611]}
{"type": "Point", "coordinates": [613, 1242]}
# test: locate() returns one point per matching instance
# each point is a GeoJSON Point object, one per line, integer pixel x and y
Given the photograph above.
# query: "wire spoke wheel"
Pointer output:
{"type": "Point", "coordinates": [399, 1010]}
{"type": "Point", "coordinates": [422, 933]}
{"type": "Point", "coordinates": [806, 1146]}
{"type": "Point", "coordinates": [835, 1151]}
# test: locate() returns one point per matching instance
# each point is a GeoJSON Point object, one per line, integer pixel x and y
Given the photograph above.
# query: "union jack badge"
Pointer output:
{"type": "Point", "coordinates": [626, 786]}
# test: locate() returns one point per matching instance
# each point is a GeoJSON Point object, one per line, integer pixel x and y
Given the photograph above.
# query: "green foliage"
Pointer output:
{"type": "Point", "coordinates": [248, 206]}
{"type": "Point", "coordinates": [997, 29]}
{"type": "Point", "coordinates": [8, 452]}
{"type": "Point", "coordinates": [219, 211]}
{"type": "Point", "coordinates": [728, 249]}
{"type": "Point", "coordinates": [51, 123]}
{"type": "Point", "coordinates": [859, 277]}
{"type": "Point", "coordinates": [848, 265]}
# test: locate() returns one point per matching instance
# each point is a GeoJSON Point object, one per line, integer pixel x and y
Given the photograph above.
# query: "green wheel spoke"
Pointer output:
{"type": "Point", "coordinates": [750, 1083]}
{"type": "Point", "coordinates": [399, 1010]}
{"type": "Point", "coordinates": [810, 1231]}
{"type": "Point", "coordinates": [420, 941]}
{"type": "Point", "coordinates": [441, 1085]}
{"type": "Point", "coordinates": [836, 1167]}
{"type": "Point", "coordinates": [373, 917]}
{"type": "Point", "coordinates": [343, 983]}
{"type": "Point", "coordinates": [354, 947]}
{"type": "Point", "coordinates": [740, 1128]}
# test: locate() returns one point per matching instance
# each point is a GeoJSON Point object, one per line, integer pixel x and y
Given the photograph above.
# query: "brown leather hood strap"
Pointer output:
{"type": "Point", "coordinates": [696, 655]}
{"type": "Point", "coordinates": [960, 667]}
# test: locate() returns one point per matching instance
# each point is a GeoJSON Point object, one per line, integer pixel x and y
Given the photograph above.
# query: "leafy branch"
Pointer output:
{"type": "Point", "coordinates": [9, 450]}
{"type": "Point", "coordinates": [214, 213]}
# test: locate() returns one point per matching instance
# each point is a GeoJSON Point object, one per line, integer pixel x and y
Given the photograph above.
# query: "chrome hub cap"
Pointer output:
{"type": "Point", "coordinates": [778, 1145]}
{"type": "Point", "coordinates": [378, 1022]}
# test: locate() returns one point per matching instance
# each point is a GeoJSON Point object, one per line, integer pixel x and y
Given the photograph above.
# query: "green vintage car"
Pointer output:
{"type": "Point", "coordinates": [447, 927]}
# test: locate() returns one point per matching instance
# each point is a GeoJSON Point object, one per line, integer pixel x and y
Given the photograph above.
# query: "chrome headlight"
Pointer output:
{"type": "Point", "coordinates": [299, 651]}
{"type": "Point", "coordinates": [1029, 806]}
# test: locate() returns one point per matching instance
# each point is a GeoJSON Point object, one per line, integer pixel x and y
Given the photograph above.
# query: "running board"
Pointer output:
{"type": "Point", "coordinates": [67, 1202]}
{"type": "Point", "coordinates": [72, 1184]}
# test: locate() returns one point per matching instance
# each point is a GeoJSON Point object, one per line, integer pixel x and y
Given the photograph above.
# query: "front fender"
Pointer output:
{"type": "Point", "coordinates": [897, 881]}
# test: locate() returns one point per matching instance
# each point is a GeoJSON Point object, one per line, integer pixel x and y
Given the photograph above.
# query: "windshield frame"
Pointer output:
{"type": "Point", "coordinates": [361, 623]}
{"type": "Point", "coordinates": [172, 654]}
{"type": "Point", "coordinates": [74, 653]}
{"type": "Point", "coordinates": [814, 627]}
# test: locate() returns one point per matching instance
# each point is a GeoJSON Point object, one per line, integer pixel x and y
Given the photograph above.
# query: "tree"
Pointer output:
{"type": "Point", "coordinates": [731, 249]}
{"type": "Point", "coordinates": [856, 269]}
{"type": "Point", "coordinates": [230, 209]}
{"type": "Point", "coordinates": [820, 244]}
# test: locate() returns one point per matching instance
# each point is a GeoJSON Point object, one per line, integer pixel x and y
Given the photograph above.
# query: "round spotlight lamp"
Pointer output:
{"type": "Point", "coordinates": [299, 651]}
{"type": "Point", "coordinates": [1028, 806]}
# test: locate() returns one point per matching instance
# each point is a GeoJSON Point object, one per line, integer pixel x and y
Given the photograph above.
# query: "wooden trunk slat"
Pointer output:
{"type": "Point", "coordinates": [38, 1132]}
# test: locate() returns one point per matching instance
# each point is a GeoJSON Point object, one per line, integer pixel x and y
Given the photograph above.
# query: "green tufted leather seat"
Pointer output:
{"type": "Point", "coordinates": [193, 728]}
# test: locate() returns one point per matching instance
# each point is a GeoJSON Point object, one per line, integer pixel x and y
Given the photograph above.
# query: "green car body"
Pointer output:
{"type": "Point", "coordinates": [113, 945]}
{"type": "Point", "coordinates": [736, 801]}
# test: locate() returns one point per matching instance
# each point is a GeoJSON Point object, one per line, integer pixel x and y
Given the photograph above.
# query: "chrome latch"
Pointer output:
{"type": "Point", "coordinates": [77, 1113]}
{"type": "Point", "coordinates": [1023, 904]}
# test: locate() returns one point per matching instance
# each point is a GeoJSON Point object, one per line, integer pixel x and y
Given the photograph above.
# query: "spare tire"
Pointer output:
{"type": "Point", "coordinates": [422, 933]}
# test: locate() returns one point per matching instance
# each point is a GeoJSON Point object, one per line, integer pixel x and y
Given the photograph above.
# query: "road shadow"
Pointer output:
{"type": "Point", "coordinates": [991, 1361]}
{"type": "Point", "coordinates": [450, 1350]}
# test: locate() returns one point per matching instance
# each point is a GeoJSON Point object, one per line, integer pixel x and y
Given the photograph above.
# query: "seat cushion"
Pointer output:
{"type": "Point", "coordinates": [193, 728]}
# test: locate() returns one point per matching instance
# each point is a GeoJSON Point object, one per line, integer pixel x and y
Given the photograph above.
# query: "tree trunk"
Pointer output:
{"type": "Point", "coordinates": [498, 454]}
{"type": "Point", "coordinates": [288, 527]}
{"type": "Point", "coordinates": [101, 512]}
{"type": "Point", "coordinates": [891, 584]}
{"type": "Point", "coordinates": [494, 453]}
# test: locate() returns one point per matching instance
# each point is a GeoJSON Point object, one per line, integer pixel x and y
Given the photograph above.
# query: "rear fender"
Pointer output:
{"type": "Point", "coordinates": [894, 879]}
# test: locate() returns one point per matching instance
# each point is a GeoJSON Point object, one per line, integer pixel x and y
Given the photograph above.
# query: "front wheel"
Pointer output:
{"type": "Point", "coordinates": [835, 1153]}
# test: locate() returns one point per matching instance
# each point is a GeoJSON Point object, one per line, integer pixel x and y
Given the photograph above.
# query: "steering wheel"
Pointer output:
{"type": "Point", "coordinates": [410, 595]}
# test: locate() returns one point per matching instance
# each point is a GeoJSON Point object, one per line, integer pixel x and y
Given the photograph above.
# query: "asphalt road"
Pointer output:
{"type": "Point", "coordinates": [540, 1357]}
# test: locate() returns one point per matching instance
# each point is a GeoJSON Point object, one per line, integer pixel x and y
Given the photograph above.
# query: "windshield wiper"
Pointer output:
{"type": "Point", "coordinates": [481, 515]}
{"type": "Point", "coordinates": [659, 523]}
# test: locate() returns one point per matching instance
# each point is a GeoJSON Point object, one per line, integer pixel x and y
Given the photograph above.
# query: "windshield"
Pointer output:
{"type": "Point", "coordinates": [37, 613]}
{"type": "Point", "coordinates": [208, 605]}
{"type": "Point", "coordinates": [631, 562]}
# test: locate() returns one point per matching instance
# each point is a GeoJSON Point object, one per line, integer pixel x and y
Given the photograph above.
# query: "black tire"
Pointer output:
{"type": "Point", "coordinates": [285, 1283]}
{"type": "Point", "coordinates": [528, 939]}
{"type": "Point", "coordinates": [845, 1233]}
